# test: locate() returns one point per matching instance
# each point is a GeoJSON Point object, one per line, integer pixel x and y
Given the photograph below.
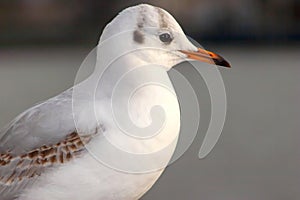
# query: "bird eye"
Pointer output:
{"type": "Point", "coordinates": [165, 38]}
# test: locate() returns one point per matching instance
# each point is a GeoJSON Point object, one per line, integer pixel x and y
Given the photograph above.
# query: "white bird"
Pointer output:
{"type": "Point", "coordinates": [50, 153]}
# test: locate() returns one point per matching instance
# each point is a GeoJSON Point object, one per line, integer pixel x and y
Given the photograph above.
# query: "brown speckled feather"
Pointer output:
{"type": "Point", "coordinates": [31, 164]}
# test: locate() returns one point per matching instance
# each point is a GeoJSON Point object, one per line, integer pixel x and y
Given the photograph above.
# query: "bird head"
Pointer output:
{"type": "Point", "coordinates": [155, 37]}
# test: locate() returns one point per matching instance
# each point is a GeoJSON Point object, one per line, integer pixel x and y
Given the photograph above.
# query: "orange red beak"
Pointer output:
{"type": "Point", "coordinates": [206, 56]}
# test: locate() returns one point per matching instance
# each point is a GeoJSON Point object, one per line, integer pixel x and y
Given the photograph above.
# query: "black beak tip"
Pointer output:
{"type": "Point", "coordinates": [222, 62]}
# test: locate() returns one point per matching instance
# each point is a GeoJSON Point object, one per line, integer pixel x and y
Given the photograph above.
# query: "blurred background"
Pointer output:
{"type": "Point", "coordinates": [80, 22]}
{"type": "Point", "coordinates": [42, 44]}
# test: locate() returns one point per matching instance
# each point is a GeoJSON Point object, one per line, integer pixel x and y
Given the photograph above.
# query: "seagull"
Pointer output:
{"type": "Point", "coordinates": [72, 147]}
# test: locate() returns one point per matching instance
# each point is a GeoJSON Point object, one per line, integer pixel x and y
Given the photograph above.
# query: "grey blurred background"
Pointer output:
{"type": "Point", "coordinates": [42, 44]}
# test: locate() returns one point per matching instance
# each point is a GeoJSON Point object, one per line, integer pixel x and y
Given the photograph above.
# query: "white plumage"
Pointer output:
{"type": "Point", "coordinates": [44, 150]}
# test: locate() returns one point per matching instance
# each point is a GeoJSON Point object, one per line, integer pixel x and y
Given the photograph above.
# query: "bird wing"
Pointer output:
{"type": "Point", "coordinates": [39, 138]}
{"type": "Point", "coordinates": [44, 123]}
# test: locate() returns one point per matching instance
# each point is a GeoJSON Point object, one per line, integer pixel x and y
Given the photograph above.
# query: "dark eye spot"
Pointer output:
{"type": "Point", "coordinates": [138, 37]}
{"type": "Point", "coordinates": [165, 38]}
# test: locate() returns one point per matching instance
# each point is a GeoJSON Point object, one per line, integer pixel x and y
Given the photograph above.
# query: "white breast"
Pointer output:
{"type": "Point", "coordinates": [119, 165]}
